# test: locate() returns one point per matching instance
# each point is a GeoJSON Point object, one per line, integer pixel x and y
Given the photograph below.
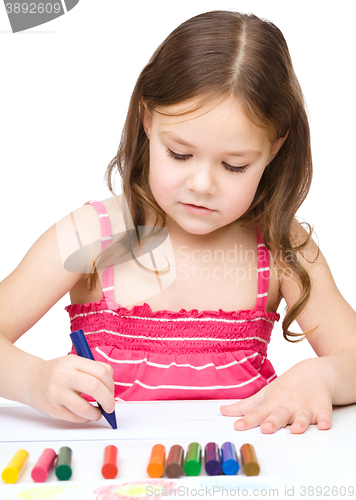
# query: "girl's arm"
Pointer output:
{"type": "Point", "coordinates": [305, 393]}
{"type": "Point", "coordinates": [52, 386]}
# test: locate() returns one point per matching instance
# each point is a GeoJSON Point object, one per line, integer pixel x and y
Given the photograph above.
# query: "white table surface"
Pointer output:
{"type": "Point", "coordinates": [316, 464]}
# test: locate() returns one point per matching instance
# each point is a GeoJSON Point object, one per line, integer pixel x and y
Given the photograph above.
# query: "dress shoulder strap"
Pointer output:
{"type": "Point", "coordinates": [106, 240]}
{"type": "Point", "coordinates": [263, 272]}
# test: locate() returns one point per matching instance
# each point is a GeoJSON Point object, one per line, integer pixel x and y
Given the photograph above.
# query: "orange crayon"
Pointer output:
{"type": "Point", "coordinates": [155, 466]}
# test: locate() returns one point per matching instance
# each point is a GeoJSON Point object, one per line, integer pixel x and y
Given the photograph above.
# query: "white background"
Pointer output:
{"type": "Point", "coordinates": [65, 88]}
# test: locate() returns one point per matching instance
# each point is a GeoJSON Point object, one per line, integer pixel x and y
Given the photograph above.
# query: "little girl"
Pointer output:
{"type": "Point", "coordinates": [177, 281]}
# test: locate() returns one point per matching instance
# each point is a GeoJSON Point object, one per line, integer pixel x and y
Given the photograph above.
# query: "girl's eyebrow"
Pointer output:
{"type": "Point", "coordinates": [179, 140]}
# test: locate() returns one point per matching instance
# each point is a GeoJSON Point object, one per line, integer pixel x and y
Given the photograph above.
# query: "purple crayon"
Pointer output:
{"type": "Point", "coordinates": [212, 459]}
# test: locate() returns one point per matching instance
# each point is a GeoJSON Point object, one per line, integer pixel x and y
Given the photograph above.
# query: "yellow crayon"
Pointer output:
{"type": "Point", "coordinates": [14, 468]}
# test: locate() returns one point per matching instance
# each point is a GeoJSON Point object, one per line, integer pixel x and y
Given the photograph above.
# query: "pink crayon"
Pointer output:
{"type": "Point", "coordinates": [41, 470]}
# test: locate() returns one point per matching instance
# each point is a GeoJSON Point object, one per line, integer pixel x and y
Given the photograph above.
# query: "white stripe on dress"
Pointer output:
{"type": "Point", "coordinates": [187, 387]}
{"type": "Point", "coordinates": [271, 377]}
{"type": "Point", "coordinates": [218, 320]}
{"type": "Point", "coordinates": [186, 339]}
{"type": "Point", "coordinates": [160, 365]}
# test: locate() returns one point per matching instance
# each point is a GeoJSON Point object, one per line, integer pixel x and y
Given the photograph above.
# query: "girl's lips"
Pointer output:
{"type": "Point", "coordinates": [194, 209]}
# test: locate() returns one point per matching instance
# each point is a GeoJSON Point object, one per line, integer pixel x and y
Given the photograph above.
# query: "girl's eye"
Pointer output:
{"type": "Point", "coordinates": [235, 169]}
{"type": "Point", "coordinates": [177, 156]}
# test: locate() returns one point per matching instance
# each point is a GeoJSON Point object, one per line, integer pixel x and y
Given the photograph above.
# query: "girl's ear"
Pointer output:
{"type": "Point", "coordinates": [276, 146]}
{"type": "Point", "coordinates": [146, 119]}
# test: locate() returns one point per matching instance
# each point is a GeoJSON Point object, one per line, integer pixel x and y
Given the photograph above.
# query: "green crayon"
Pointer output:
{"type": "Point", "coordinates": [64, 461]}
{"type": "Point", "coordinates": [192, 464]}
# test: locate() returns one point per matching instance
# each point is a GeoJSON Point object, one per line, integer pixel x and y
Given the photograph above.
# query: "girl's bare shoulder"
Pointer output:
{"type": "Point", "coordinates": [55, 264]}
{"type": "Point", "coordinates": [81, 228]}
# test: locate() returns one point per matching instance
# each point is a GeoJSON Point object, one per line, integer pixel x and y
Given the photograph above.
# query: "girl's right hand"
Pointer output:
{"type": "Point", "coordinates": [54, 388]}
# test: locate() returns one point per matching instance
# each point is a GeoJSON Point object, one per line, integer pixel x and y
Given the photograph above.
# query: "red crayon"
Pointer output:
{"type": "Point", "coordinates": [109, 469]}
{"type": "Point", "coordinates": [41, 470]}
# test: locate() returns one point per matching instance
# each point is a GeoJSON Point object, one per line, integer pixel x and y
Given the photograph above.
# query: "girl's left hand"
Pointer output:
{"type": "Point", "coordinates": [301, 396]}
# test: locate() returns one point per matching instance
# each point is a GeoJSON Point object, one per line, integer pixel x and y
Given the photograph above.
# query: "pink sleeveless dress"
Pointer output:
{"type": "Point", "coordinates": [162, 355]}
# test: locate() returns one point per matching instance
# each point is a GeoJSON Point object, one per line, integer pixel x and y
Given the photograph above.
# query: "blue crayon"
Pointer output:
{"type": "Point", "coordinates": [82, 349]}
{"type": "Point", "coordinates": [230, 465]}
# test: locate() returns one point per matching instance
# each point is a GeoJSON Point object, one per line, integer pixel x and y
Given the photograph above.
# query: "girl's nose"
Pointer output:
{"type": "Point", "coordinates": [201, 180]}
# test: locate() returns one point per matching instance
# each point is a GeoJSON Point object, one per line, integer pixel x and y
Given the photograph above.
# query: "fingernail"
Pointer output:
{"type": "Point", "coordinates": [268, 424]}
{"type": "Point", "coordinates": [240, 424]}
{"type": "Point", "coordinates": [324, 425]}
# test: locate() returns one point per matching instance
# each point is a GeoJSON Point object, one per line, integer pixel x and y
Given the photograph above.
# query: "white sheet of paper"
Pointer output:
{"type": "Point", "coordinates": [135, 420]}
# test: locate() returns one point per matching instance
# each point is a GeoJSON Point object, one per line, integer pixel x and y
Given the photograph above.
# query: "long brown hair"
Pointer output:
{"type": "Point", "coordinates": [212, 55]}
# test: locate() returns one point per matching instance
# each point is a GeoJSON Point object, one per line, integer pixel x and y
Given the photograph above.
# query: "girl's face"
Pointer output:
{"type": "Point", "coordinates": [205, 166]}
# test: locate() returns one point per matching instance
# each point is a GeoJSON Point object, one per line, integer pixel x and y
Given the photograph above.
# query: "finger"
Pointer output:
{"type": "Point", "coordinates": [302, 420]}
{"type": "Point", "coordinates": [276, 420]}
{"type": "Point", "coordinates": [233, 410]}
{"type": "Point", "coordinates": [101, 371]}
{"type": "Point", "coordinates": [242, 407]}
{"type": "Point", "coordinates": [324, 419]}
{"type": "Point", "coordinates": [88, 384]}
{"type": "Point", "coordinates": [108, 367]}
{"type": "Point", "coordinates": [108, 375]}
{"type": "Point", "coordinates": [80, 407]}
{"type": "Point", "coordinates": [69, 416]}
{"type": "Point", "coordinates": [60, 412]}
{"type": "Point", "coordinates": [253, 418]}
